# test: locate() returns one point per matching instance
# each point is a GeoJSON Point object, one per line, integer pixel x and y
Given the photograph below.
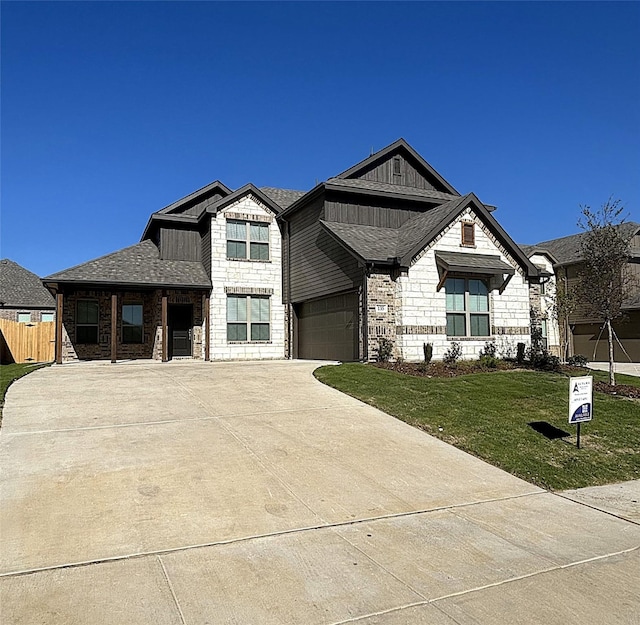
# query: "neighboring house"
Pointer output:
{"type": "Point", "coordinates": [23, 298]}
{"type": "Point", "coordinates": [386, 250]}
{"type": "Point", "coordinates": [587, 336]}
{"type": "Point", "coordinates": [24, 305]}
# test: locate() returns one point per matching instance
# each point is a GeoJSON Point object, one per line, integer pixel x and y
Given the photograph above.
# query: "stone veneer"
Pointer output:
{"type": "Point", "coordinates": [421, 308]}
{"type": "Point", "coordinates": [246, 277]}
{"type": "Point", "coordinates": [381, 312]}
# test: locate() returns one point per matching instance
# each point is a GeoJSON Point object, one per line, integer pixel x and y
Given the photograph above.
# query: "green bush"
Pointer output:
{"type": "Point", "coordinates": [385, 350]}
{"type": "Point", "coordinates": [453, 354]}
{"type": "Point", "coordinates": [577, 361]}
{"type": "Point", "coordinates": [428, 352]}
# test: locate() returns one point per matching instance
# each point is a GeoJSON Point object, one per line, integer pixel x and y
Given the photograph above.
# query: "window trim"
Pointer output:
{"type": "Point", "coordinates": [122, 326]}
{"type": "Point", "coordinates": [23, 312]}
{"type": "Point", "coordinates": [88, 325]}
{"type": "Point", "coordinates": [43, 313]}
{"type": "Point", "coordinates": [464, 226]}
{"type": "Point", "coordinates": [248, 322]}
{"type": "Point", "coordinates": [248, 241]}
{"type": "Point", "coordinates": [467, 312]}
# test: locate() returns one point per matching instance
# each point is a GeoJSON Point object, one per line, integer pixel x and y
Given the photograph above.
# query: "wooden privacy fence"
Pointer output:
{"type": "Point", "coordinates": [27, 342]}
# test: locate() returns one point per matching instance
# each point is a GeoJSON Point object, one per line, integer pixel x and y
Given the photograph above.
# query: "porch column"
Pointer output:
{"type": "Point", "coordinates": [165, 329]}
{"type": "Point", "coordinates": [59, 308]}
{"type": "Point", "coordinates": [207, 327]}
{"type": "Point", "coordinates": [114, 326]}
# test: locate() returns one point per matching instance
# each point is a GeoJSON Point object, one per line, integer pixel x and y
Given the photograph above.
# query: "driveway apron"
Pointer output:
{"type": "Point", "coordinates": [193, 492]}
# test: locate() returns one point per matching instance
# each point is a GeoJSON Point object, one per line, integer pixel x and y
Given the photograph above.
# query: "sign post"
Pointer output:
{"type": "Point", "coordinates": [580, 401]}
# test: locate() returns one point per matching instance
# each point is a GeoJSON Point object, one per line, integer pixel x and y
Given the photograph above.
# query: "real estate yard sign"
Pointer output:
{"type": "Point", "coordinates": [580, 401]}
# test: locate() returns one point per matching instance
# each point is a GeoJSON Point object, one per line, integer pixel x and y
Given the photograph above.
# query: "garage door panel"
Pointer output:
{"type": "Point", "coordinates": [328, 328]}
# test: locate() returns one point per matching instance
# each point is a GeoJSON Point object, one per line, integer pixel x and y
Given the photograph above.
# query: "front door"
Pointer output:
{"type": "Point", "coordinates": [180, 329]}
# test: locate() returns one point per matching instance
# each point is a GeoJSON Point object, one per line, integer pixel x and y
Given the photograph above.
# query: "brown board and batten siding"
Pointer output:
{"type": "Point", "coordinates": [317, 265]}
{"type": "Point", "coordinates": [366, 214]}
{"type": "Point", "coordinates": [179, 244]}
{"type": "Point", "coordinates": [399, 170]}
{"type": "Point", "coordinates": [205, 247]}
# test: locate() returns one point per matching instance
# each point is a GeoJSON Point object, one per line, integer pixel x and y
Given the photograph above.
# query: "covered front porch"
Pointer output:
{"type": "Point", "coordinates": [95, 323]}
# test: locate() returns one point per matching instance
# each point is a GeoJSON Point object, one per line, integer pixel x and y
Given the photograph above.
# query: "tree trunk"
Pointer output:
{"type": "Point", "coordinates": [612, 375]}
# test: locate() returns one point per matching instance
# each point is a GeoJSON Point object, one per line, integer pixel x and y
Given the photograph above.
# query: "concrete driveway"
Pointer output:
{"type": "Point", "coordinates": [249, 493]}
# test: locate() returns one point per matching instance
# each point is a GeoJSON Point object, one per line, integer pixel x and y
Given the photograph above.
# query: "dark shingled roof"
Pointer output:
{"type": "Point", "coordinates": [396, 189]}
{"type": "Point", "coordinates": [138, 265]}
{"type": "Point", "coordinates": [374, 243]}
{"type": "Point", "coordinates": [566, 250]}
{"type": "Point", "coordinates": [20, 288]}
{"type": "Point", "coordinates": [371, 243]}
{"type": "Point", "coordinates": [282, 197]}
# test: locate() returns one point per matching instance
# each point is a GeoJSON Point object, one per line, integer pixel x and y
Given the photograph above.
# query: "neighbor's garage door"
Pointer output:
{"type": "Point", "coordinates": [328, 328]}
{"type": "Point", "coordinates": [585, 340]}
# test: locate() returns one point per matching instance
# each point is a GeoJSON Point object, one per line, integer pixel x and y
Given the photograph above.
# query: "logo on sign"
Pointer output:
{"type": "Point", "coordinates": [581, 399]}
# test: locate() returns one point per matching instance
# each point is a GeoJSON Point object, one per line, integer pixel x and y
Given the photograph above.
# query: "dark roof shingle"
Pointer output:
{"type": "Point", "coordinates": [568, 250]}
{"type": "Point", "coordinates": [19, 287]}
{"type": "Point", "coordinates": [139, 264]}
{"type": "Point", "coordinates": [282, 197]}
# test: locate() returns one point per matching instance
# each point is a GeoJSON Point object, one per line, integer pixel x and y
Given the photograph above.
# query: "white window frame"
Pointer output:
{"type": "Point", "coordinates": [467, 312]}
{"type": "Point", "coordinates": [43, 314]}
{"type": "Point", "coordinates": [22, 314]}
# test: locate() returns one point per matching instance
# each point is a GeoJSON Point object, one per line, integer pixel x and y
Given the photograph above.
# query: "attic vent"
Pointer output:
{"type": "Point", "coordinates": [468, 233]}
{"type": "Point", "coordinates": [397, 164]}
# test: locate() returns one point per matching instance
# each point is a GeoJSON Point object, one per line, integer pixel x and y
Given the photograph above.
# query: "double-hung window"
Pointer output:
{"type": "Point", "coordinates": [87, 322]}
{"type": "Point", "coordinates": [247, 236]}
{"type": "Point", "coordinates": [132, 324]}
{"type": "Point", "coordinates": [467, 307]}
{"type": "Point", "coordinates": [248, 318]}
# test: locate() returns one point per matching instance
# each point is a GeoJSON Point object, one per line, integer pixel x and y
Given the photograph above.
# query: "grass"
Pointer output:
{"type": "Point", "coordinates": [11, 373]}
{"type": "Point", "coordinates": [489, 416]}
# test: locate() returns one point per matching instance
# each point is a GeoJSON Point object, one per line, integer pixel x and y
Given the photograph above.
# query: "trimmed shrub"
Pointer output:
{"type": "Point", "coordinates": [453, 354]}
{"type": "Point", "coordinates": [428, 352]}
{"type": "Point", "coordinates": [385, 350]}
{"type": "Point", "coordinates": [577, 361]}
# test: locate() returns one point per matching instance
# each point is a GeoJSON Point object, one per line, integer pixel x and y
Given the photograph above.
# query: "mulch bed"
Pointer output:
{"type": "Point", "coordinates": [440, 369]}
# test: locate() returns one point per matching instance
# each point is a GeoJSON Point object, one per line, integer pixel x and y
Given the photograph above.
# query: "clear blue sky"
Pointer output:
{"type": "Point", "coordinates": [111, 111]}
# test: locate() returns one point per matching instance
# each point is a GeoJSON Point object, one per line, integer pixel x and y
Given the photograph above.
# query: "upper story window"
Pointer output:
{"type": "Point", "coordinates": [132, 324]}
{"type": "Point", "coordinates": [87, 322]}
{"type": "Point", "coordinates": [468, 233]}
{"type": "Point", "coordinates": [46, 316]}
{"type": "Point", "coordinates": [247, 239]}
{"type": "Point", "coordinates": [467, 307]}
{"type": "Point", "coordinates": [24, 317]}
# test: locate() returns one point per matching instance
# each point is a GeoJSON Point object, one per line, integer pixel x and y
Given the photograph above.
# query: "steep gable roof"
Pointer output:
{"type": "Point", "coordinates": [137, 265]}
{"type": "Point", "coordinates": [208, 192]}
{"type": "Point", "coordinates": [399, 147]}
{"type": "Point", "coordinates": [20, 288]}
{"type": "Point", "coordinates": [247, 189]}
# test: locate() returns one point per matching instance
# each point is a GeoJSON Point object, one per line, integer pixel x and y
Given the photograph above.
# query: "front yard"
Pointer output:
{"type": "Point", "coordinates": [516, 420]}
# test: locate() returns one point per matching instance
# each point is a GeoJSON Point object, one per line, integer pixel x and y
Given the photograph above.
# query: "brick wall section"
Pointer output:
{"type": "Point", "coordinates": [381, 311]}
{"type": "Point", "coordinates": [151, 347]}
{"type": "Point", "coordinates": [36, 314]}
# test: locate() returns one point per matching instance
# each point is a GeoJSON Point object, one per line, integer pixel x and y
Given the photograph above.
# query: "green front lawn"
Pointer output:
{"type": "Point", "coordinates": [489, 416]}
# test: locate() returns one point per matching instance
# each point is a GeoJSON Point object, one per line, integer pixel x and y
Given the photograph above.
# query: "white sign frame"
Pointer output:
{"type": "Point", "coordinates": [580, 399]}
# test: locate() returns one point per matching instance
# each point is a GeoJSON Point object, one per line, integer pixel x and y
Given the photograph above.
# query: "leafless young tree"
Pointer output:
{"type": "Point", "coordinates": [603, 284]}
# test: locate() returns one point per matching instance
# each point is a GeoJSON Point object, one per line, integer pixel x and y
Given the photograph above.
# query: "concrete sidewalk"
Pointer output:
{"type": "Point", "coordinates": [628, 368]}
{"type": "Point", "coordinates": [250, 493]}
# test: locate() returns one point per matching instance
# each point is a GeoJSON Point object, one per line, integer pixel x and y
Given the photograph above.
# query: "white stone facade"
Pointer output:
{"type": "Point", "coordinates": [233, 276]}
{"type": "Point", "coordinates": [421, 309]}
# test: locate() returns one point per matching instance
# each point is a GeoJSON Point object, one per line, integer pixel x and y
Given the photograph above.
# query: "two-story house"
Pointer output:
{"type": "Point", "coordinates": [582, 333]}
{"type": "Point", "coordinates": [388, 249]}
